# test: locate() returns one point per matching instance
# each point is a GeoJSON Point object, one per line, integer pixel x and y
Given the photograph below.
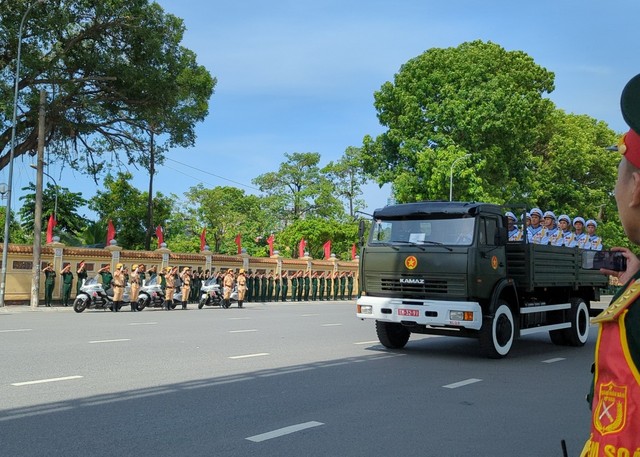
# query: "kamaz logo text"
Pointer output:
{"type": "Point", "coordinates": [411, 281]}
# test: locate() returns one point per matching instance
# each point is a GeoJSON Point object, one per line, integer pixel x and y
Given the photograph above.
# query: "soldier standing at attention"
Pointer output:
{"type": "Point", "coordinates": [594, 242]}
{"type": "Point", "coordinates": [49, 283]}
{"type": "Point", "coordinates": [256, 286]}
{"type": "Point", "coordinates": [250, 286]}
{"type": "Point", "coordinates": [241, 281]}
{"type": "Point", "coordinates": [263, 287]}
{"type": "Point", "coordinates": [329, 284]}
{"type": "Point", "coordinates": [170, 279]}
{"type": "Point", "coordinates": [270, 286]}
{"type": "Point", "coordinates": [350, 285]}
{"type": "Point", "coordinates": [515, 234]}
{"type": "Point", "coordinates": [565, 229]}
{"type": "Point", "coordinates": [285, 285]}
{"type": "Point", "coordinates": [227, 287]}
{"type": "Point", "coordinates": [185, 277]}
{"type": "Point", "coordinates": [321, 286]}
{"type": "Point", "coordinates": [535, 231]}
{"type": "Point", "coordinates": [307, 284]}
{"type": "Point", "coordinates": [106, 276]}
{"type": "Point", "coordinates": [615, 396]}
{"type": "Point", "coordinates": [336, 285]}
{"type": "Point", "coordinates": [294, 286]}
{"type": "Point", "coordinates": [67, 283]}
{"type": "Point", "coordinates": [134, 283]}
{"type": "Point", "coordinates": [553, 235]}
{"type": "Point", "coordinates": [300, 285]}
{"type": "Point", "coordinates": [579, 237]}
{"type": "Point", "coordinates": [314, 286]}
{"type": "Point", "coordinates": [343, 284]}
{"type": "Point", "coordinates": [82, 276]}
{"type": "Point", "coordinates": [118, 287]}
{"type": "Point", "coordinates": [276, 281]}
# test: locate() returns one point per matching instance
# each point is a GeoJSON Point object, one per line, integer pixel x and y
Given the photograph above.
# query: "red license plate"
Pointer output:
{"type": "Point", "coordinates": [408, 312]}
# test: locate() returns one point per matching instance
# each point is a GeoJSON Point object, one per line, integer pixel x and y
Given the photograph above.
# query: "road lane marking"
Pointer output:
{"type": "Point", "coordinates": [16, 330]}
{"type": "Point", "coordinates": [557, 359]}
{"type": "Point", "coordinates": [331, 325]}
{"type": "Point", "coordinates": [466, 382]}
{"type": "Point", "coordinates": [243, 331]}
{"type": "Point", "coordinates": [109, 341]}
{"type": "Point", "coordinates": [260, 354]}
{"type": "Point", "coordinates": [143, 323]}
{"type": "Point", "coordinates": [367, 342]}
{"type": "Point", "coordinates": [42, 381]}
{"type": "Point", "coordinates": [239, 318]}
{"type": "Point", "coordinates": [310, 315]}
{"type": "Point", "coordinates": [284, 431]}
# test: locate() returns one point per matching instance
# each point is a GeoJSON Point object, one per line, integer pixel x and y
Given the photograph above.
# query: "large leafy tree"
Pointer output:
{"type": "Point", "coordinates": [476, 99]}
{"type": "Point", "coordinates": [69, 221]}
{"type": "Point", "coordinates": [347, 176]}
{"type": "Point", "coordinates": [316, 232]}
{"type": "Point", "coordinates": [114, 71]}
{"type": "Point", "coordinates": [300, 189]}
{"type": "Point", "coordinates": [126, 206]}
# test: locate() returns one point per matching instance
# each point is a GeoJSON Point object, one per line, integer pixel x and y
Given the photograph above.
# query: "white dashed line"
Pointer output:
{"type": "Point", "coordinates": [367, 342]}
{"type": "Point", "coordinates": [309, 315]}
{"type": "Point", "coordinates": [16, 330]}
{"type": "Point", "coordinates": [42, 381]}
{"type": "Point", "coordinates": [284, 431]}
{"type": "Point", "coordinates": [557, 359]}
{"type": "Point", "coordinates": [109, 341]}
{"type": "Point", "coordinates": [143, 323]}
{"type": "Point", "coordinates": [466, 382]}
{"type": "Point", "coordinates": [331, 325]}
{"type": "Point", "coordinates": [247, 356]}
{"type": "Point", "coordinates": [243, 331]}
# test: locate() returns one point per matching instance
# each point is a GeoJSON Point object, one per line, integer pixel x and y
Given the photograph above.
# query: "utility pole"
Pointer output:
{"type": "Point", "coordinates": [37, 214]}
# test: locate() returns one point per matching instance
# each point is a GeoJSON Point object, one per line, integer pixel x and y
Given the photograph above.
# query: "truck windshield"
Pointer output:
{"type": "Point", "coordinates": [452, 232]}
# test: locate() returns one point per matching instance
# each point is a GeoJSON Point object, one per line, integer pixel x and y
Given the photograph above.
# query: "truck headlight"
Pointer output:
{"type": "Point", "coordinates": [365, 309]}
{"type": "Point", "coordinates": [461, 315]}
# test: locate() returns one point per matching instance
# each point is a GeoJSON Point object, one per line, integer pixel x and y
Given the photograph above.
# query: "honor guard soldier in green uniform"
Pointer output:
{"type": "Point", "coordinates": [106, 276]}
{"type": "Point", "coordinates": [264, 284]}
{"type": "Point", "coordinates": [350, 285]}
{"type": "Point", "coordinates": [49, 283]}
{"type": "Point", "coordinates": [336, 285]}
{"type": "Point", "coordinates": [314, 286]}
{"type": "Point", "coordinates": [256, 286]}
{"type": "Point", "coordinates": [285, 285]}
{"type": "Point", "coordinates": [329, 284]}
{"type": "Point", "coordinates": [82, 275]}
{"type": "Point", "coordinates": [343, 284]}
{"type": "Point", "coordinates": [294, 286]}
{"type": "Point", "coordinates": [67, 283]}
{"type": "Point", "coordinates": [249, 286]}
{"type": "Point", "coordinates": [307, 285]}
{"type": "Point", "coordinates": [276, 281]}
{"type": "Point", "coordinates": [300, 285]}
{"type": "Point", "coordinates": [270, 286]}
{"type": "Point", "coordinates": [321, 286]}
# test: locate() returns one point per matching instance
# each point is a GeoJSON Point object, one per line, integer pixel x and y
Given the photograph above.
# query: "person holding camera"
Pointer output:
{"type": "Point", "coordinates": [615, 395]}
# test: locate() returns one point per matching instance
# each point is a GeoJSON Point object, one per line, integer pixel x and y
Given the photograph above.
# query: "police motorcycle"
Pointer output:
{"type": "Point", "coordinates": [93, 296]}
{"type": "Point", "coordinates": [211, 294]}
{"type": "Point", "coordinates": [151, 294]}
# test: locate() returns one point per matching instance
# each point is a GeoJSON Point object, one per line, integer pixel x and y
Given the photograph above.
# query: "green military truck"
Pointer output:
{"type": "Point", "coordinates": [447, 268]}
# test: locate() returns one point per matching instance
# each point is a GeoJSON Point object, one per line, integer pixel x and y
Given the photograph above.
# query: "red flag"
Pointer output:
{"type": "Point", "coordinates": [50, 226]}
{"type": "Point", "coordinates": [327, 249]}
{"type": "Point", "coordinates": [301, 247]}
{"type": "Point", "coordinates": [159, 235]}
{"type": "Point", "coordinates": [111, 232]}
{"type": "Point", "coordinates": [203, 239]}
{"type": "Point", "coordinates": [239, 243]}
{"type": "Point", "coordinates": [354, 251]}
{"type": "Point", "coordinates": [270, 241]}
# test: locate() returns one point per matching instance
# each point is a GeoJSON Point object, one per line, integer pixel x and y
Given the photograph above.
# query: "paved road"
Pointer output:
{"type": "Point", "coordinates": [276, 380]}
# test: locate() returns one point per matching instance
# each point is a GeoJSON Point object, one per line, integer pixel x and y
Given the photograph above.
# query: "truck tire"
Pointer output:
{"type": "Point", "coordinates": [498, 332]}
{"type": "Point", "coordinates": [578, 334]}
{"type": "Point", "coordinates": [391, 335]}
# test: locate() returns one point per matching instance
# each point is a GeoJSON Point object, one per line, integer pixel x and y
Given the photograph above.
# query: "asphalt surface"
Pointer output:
{"type": "Point", "coordinates": [279, 379]}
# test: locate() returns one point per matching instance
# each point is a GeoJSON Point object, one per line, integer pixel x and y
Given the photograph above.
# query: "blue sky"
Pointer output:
{"type": "Point", "coordinates": [299, 76]}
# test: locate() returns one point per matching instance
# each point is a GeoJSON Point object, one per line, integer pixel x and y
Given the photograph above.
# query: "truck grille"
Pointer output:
{"type": "Point", "coordinates": [431, 287]}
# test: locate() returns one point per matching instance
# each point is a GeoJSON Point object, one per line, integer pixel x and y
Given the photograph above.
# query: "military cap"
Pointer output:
{"type": "Point", "coordinates": [629, 145]}
{"type": "Point", "coordinates": [564, 217]}
{"type": "Point", "coordinates": [578, 219]}
{"type": "Point", "coordinates": [509, 214]}
{"type": "Point", "coordinates": [536, 211]}
{"type": "Point", "coordinates": [592, 222]}
{"type": "Point", "coordinates": [550, 214]}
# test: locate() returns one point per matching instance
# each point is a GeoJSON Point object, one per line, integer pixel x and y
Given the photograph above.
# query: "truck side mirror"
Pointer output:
{"type": "Point", "coordinates": [501, 237]}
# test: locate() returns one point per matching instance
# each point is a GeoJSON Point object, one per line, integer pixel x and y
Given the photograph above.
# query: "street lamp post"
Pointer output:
{"type": "Point", "coordinates": [451, 175]}
{"type": "Point", "coordinates": [7, 219]}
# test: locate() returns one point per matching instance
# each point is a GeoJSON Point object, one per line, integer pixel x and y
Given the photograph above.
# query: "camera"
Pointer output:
{"type": "Point", "coordinates": [609, 260]}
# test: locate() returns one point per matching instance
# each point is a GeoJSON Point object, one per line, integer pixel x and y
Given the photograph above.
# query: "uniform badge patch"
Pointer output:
{"type": "Point", "coordinates": [611, 412]}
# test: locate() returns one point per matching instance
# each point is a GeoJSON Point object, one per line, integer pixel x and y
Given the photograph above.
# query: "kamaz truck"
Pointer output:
{"type": "Point", "coordinates": [447, 268]}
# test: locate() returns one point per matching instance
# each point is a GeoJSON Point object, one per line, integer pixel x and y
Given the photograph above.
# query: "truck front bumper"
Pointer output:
{"type": "Point", "coordinates": [435, 313]}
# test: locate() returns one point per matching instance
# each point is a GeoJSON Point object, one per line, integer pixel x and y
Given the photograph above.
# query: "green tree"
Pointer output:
{"type": "Point", "coordinates": [16, 233]}
{"type": "Point", "coordinates": [476, 99]}
{"type": "Point", "coordinates": [126, 206]}
{"type": "Point", "coordinates": [300, 189]}
{"type": "Point", "coordinates": [115, 69]}
{"type": "Point", "coordinates": [347, 176]}
{"type": "Point", "coordinates": [316, 232]}
{"type": "Point", "coordinates": [69, 221]}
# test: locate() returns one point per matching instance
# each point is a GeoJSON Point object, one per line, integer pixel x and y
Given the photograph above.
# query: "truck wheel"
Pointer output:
{"type": "Point", "coordinates": [578, 334]}
{"type": "Point", "coordinates": [80, 305]}
{"type": "Point", "coordinates": [497, 333]}
{"type": "Point", "coordinates": [391, 335]}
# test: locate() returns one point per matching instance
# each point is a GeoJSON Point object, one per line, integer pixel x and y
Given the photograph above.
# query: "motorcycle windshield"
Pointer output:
{"type": "Point", "coordinates": [152, 282]}
{"type": "Point", "coordinates": [210, 282]}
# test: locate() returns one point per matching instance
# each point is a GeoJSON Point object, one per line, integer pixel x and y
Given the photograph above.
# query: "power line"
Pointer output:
{"type": "Point", "coordinates": [208, 173]}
